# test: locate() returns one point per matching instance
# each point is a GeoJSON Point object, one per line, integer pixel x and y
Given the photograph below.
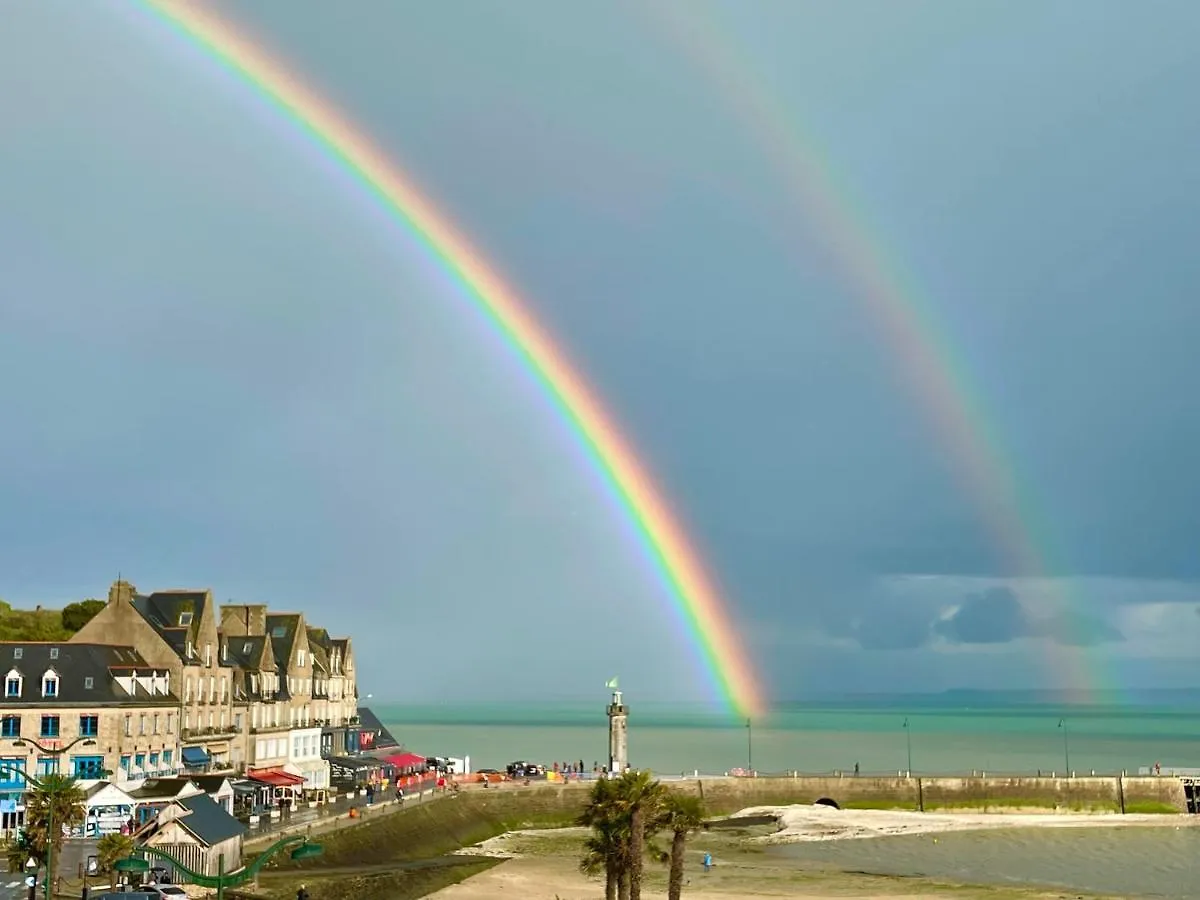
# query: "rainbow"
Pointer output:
{"type": "Point", "coordinates": [696, 602]}
{"type": "Point", "coordinates": [924, 355]}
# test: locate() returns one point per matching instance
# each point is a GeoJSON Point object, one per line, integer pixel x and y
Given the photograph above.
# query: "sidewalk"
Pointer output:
{"type": "Point", "coordinates": [332, 816]}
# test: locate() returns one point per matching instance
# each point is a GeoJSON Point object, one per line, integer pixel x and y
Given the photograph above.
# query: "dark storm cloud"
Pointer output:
{"type": "Point", "coordinates": [996, 616]}
{"type": "Point", "coordinates": [992, 617]}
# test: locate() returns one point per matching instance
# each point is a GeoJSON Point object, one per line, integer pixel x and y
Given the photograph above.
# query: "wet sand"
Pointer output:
{"type": "Point", "coordinates": [543, 865]}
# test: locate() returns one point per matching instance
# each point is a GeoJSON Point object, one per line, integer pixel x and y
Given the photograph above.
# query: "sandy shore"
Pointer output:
{"type": "Point", "coordinates": [542, 865]}
{"type": "Point", "coordinates": [824, 823]}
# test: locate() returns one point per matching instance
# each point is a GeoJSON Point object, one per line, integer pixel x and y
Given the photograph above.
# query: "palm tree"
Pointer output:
{"type": "Point", "coordinates": [642, 798]}
{"type": "Point", "coordinates": [55, 793]}
{"type": "Point", "coordinates": [111, 848]}
{"type": "Point", "coordinates": [681, 815]}
{"type": "Point", "coordinates": [607, 849]}
{"type": "Point", "coordinates": [623, 814]}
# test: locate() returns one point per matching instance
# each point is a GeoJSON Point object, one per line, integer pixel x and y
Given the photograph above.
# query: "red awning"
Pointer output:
{"type": "Point", "coordinates": [276, 777]}
{"type": "Point", "coordinates": [405, 760]}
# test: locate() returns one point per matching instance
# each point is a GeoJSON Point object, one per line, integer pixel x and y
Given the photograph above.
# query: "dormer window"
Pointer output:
{"type": "Point", "coordinates": [185, 619]}
{"type": "Point", "coordinates": [12, 684]}
{"type": "Point", "coordinates": [88, 683]}
{"type": "Point", "coordinates": [246, 649]}
{"type": "Point", "coordinates": [50, 684]}
{"type": "Point", "coordinates": [18, 652]}
{"type": "Point", "coordinates": [54, 653]}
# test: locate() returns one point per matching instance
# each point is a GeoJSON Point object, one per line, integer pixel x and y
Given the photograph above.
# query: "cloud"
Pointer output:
{"type": "Point", "coordinates": [992, 617]}
{"type": "Point", "coordinates": [996, 616]}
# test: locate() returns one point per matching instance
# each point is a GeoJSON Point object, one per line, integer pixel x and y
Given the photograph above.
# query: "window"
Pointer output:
{"type": "Point", "coordinates": [49, 685]}
{"type": "Point", "coordinates": [154, 761]}
{"type": "Point", "coordinates": [125, 760]}
{"type": "Point", "coordinates": [12, 685]}
{"type": "Point", "coordinates": [87, 766]}
{"type": "Point", "coordinates": [54, 653]}
{"type": "Point", "coordinates": [18, 652]}
{"type": "Point", "coordinates": [278, 631]}
{"type": "Point", "coordinates": [300, 657]}
{"type": "Point", "coordinates": [10, 726]}
{"type": "Point", "coordinates": [156, 723]}
{"type": "Point", "coordinates": [47, 765]}
{"type": "Point", "coordinates": [225, 652]}
{"type": "Point", "coordinates": [142, 724]}
{"type": "Point", "coordinates": [167, 759]}
{"type": "Point", "coordinates": [245, 649]}
{"type": "Point", "coordinates": [187, 690]}
{"type": "Point", "coordinates": [208, 654]}
{"type": "Point", "coordinates": [50, 726]}
{"type": "Point", "coordinates": [139, 760]}
{"type": "Point", "coordinates": [128, 725]}
{"type": "Point", "coordinates": [89, 726]}
{"type": "Point", "coordinates": [190, 650]}
{"type": "Point", "coordinates": [170, 723]}
{"type": "Point", "coordinates": [88, 683]}
{"type": "Point", "coordinates": [185, 619]}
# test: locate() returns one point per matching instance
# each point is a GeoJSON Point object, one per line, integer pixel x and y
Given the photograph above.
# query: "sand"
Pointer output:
{"type": "Point", "coordinates": [541, 865]}
{"type": "Point", "coordinates": [824, 823]}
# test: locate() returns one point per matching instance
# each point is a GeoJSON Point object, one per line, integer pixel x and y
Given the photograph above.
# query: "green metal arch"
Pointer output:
{"type": "Point", "coordinates": [226, 879]}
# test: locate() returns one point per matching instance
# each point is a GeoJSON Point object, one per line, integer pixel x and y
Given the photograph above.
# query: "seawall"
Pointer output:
{"type": "Point", "coordinates": [1114, 794]}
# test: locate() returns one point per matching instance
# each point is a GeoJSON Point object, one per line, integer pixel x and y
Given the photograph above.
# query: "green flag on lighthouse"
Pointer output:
{"type": "Point", "coordinates": [611, 683]}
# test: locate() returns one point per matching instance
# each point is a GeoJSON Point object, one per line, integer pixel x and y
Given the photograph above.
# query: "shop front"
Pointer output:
{"type": "Point", "coordinates": [107, 810]}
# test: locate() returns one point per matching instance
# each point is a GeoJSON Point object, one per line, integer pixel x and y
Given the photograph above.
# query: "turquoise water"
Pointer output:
{"type": "Point", "coordinates": [817, 738]}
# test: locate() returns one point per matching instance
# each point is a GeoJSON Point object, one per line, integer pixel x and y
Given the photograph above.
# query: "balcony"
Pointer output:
{"type": "Point", "coordinates": [215, 733]}
{"type": "Point", "coordinates": [267, 729]}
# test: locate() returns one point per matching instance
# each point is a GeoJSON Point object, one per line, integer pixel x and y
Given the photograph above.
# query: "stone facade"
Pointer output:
{"type": "Point", "coordinates": [89, 710]}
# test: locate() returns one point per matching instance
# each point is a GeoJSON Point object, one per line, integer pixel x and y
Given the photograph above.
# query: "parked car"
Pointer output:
{"type": "Point", "coordinates": [173, 891]}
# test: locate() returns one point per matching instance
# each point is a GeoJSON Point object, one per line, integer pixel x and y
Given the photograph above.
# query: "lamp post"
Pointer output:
{"type": "Point", "coordinates": [52, 790]}
{"type": "Point", "coordinates": [306, 849]}
{"type": "Point", "coordinates": [56, 752]}
{"type": "Point", "coordinates": [749, 748]}
{"type": "Point", "coordinates": [1062, 723]}
{"type": "Point", "coordinates": [908, 744]}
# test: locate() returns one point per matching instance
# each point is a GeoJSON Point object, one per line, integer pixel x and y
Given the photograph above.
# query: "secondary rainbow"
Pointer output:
{"type": "Point", "coordinates": [925, 355]}
{"type": "Point", "coordinates": [696, 601]}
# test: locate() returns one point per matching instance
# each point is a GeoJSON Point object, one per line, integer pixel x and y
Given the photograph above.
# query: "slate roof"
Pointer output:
{"type": "Point", "coordinates": [245, 651]}
{"type": "Point", "coordinates": [77, 667]}
{"type": "Point", "coordinates": [159, 788]}
{"type": "Point", "coordinates": [207, 821]}
{"type": "Point", "coordinates": [208, 783]}
{"type": "Point", "coordinates": [370, 722]}
{"type": "Point", "coordinates": [282, 628]}
{"type": "Point", "coordinates": [170, 609]}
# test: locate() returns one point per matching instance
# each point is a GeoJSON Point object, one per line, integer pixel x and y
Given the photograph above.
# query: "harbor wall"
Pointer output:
{"type": "Point", "coordinates": [1114, 794]}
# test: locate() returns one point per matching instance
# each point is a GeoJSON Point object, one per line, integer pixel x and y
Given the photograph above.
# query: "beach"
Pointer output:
{"type": "Point", "coordinates": [761, 860]}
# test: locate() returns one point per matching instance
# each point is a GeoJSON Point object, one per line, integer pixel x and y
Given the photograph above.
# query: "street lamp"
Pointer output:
{"type": "Point", "coordinates": [749, 749]}
{"type": "Point", "coordinates": [52, 789]}
{"type": "Point", "coordinates": [1062, 723]}
{"type": "Point", "coordinates": [908, 744]}
{"type": "Point", "coordinates": [306, 849]}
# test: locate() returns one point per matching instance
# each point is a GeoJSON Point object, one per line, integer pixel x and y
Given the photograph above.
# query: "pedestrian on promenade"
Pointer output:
{"type": "Point", "coordinates": [707, 861]}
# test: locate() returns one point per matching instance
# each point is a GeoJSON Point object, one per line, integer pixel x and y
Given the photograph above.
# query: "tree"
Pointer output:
{"type": "Point", "coordinates": [623, 814]}
{"type": "Point", "coordinates": [111, 848]}
{"type": "Point", "coordinates": [75, 615]}
{"type": "Point", "coordinates": [60, 794]}
{"type": "Point", "coordinates": [18, 850]}
{"type": "Point", "coordinates": [681, 815]}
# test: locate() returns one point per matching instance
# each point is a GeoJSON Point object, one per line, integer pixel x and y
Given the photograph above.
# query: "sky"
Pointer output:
{"type": "Point", "coordinates": [222, 366]}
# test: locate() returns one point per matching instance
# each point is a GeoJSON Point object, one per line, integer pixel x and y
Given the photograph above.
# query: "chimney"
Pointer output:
{"type": "Point", "coordinates": [121, 592]}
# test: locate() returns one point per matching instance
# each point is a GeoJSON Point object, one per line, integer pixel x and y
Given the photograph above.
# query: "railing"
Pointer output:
{"type": "Point", "coordinates": [192, 734]}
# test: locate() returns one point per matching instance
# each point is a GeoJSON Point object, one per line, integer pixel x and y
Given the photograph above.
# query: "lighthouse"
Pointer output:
{"type": "Point", "coordinates": [618, 732]}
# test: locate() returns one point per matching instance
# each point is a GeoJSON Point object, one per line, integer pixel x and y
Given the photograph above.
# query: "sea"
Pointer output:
{"type": "Point", "coordinates": [935, 735]}
{"type": "Point", "coordinates": [960, 733]}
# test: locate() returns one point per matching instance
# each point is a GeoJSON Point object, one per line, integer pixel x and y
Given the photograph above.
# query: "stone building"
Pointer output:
{"type": "Point", "coordinates": [176, 630]}
{"type": "Point", "coordinates": [98, 710]}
